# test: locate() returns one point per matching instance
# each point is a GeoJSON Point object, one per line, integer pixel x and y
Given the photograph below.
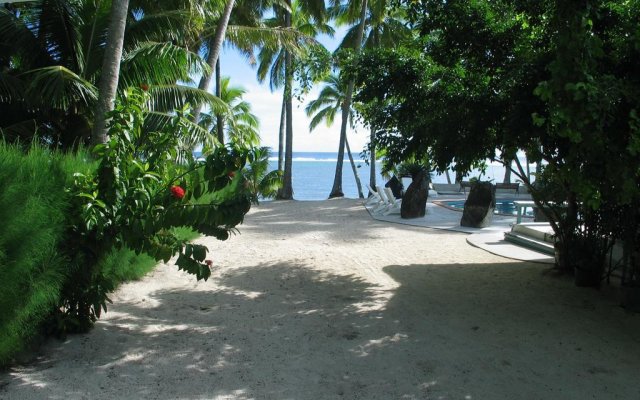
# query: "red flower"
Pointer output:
{"type": "Point", "coordinates": [231, 174]}
{"type": "Point", "coordinates": [144, 87]}
{"type": "Point", "coordinates": [177, 192]}
{"type": "Point", "coordinates": [209, 262]}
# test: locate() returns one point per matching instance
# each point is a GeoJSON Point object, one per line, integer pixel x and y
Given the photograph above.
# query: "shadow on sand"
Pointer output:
{"type": "Point", "coordinates": [283, 331]}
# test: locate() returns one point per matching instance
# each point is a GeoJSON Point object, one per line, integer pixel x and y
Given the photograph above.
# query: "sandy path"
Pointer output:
{"type": "Point", "coordinates": [315, 300]}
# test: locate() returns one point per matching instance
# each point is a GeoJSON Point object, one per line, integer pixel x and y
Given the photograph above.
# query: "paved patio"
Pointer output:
{"type": "Point", "coordinates": [490, 239]}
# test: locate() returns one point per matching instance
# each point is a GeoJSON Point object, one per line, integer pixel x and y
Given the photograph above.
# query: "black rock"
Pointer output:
{"type": "Point", "coordinates": [479, 207]}
{"type": "Point", "coordinates": [414, 201]}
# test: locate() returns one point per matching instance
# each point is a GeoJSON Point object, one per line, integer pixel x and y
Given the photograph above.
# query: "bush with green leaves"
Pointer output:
{"type": "Point", "coordinates": [137, 196]}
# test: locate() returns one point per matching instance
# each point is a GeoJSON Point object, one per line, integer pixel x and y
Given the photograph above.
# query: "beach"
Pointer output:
{"type": "Point", "coordinates": [317, 300]}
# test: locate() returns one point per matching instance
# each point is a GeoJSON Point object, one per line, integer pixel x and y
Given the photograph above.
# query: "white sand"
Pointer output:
{"type": "Point", "coordinates": [316, 300]}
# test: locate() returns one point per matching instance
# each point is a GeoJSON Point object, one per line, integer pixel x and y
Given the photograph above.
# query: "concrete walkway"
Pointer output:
{"type": "Point", "coordinates": [490, 239]}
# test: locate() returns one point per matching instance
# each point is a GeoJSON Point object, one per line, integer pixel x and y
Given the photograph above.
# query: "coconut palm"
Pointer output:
{"type": "Point", "coordinates": [110, 68]}
{"type": "Point", "coordinates": [306, 17]}
{"type": "Point", "coordinates": [262, 182]}
{"type": "Point", "coordinates": [51, 61]}
{"type": "Point", "coordinates": [325, 108]}
{"type": "Point", "coordinates": [241, 126]}
{"type": "Point", "coordinates": [374, 24]}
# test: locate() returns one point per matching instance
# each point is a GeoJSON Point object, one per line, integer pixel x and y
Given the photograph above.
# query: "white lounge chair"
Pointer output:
{"type": "Point", "coordinates": [374, 198]}
{"type": "Point", "coordinates": [394, 204]}
{"type": "Point", "coordinates": [384, 201]}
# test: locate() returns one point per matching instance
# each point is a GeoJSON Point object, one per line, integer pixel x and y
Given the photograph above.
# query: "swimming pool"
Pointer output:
{"type": "Point", "coordinates": [503, 206]}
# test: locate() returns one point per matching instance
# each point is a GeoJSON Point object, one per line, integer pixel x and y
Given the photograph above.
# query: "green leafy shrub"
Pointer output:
{"type": "Point", "coordinates": [135, 200]}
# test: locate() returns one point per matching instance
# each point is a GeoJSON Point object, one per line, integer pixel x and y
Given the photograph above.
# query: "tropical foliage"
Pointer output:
{"type": "Point", "coordinates": [550, 78]}
{"type": "Point", "coordinates": [51, 62]}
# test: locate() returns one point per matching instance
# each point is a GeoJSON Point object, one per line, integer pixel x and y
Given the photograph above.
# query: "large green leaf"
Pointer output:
{"type": "Point", "coordinates": [57, 87]}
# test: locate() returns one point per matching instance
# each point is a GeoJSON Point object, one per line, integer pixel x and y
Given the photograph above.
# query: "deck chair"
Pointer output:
{"type": "Point", "coordinates": [384, 201]}
{"type": "Point", "coordinates": [374, 198]}
{"type": "Point", "coordinates": [394, 204]}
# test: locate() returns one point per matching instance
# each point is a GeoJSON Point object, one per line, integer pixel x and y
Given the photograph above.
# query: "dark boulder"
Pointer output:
{"type": "Point", "coordinates": [414, 201]}
{"type": "Point", "coordinates": [479, 207]}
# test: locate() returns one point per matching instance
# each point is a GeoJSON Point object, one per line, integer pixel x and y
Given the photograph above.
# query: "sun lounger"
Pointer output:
{"type": "Point", "coordinates": [394, 204]}
{"type": "Point", "coordinates": [374, 198]}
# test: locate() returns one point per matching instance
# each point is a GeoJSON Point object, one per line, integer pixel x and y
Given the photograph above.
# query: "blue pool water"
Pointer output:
{"type": "Point", "coordinates": [503, 206]}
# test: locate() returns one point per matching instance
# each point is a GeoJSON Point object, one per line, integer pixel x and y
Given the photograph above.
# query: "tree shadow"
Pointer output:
{"type": "Point", "coordinates": [288, 331]}
{"type": "Point", "coordinates": [515, 331]}
{"type": "Point", "coordinates": [273, 331]}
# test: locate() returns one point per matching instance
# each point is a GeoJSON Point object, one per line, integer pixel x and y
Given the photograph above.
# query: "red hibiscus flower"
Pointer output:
{"type": "Point", "coordinates": [177, 192]}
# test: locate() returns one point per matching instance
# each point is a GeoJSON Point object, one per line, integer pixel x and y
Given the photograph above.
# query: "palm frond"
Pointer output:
{"type": "Point", "coordinates": [271, 63]}
{"type": "Point", "coordinates": [268, 38]}
{"type": "Point", "coordinates": [58, 32]}
{"type": "Point", "coordinates": [178, 26]}
{"type": "Point", "coordinates": [23, 130]}
{"type": "Point", "coordinates": [17, 36]}
{"type": "Point", "coordinates": [11, 88]}
{"type": "Point", "coordinates": [57, 87]}
{"type": "Point", "coordinates": [195, 133]}
{"type": "Point", "coordinates": [270, 184]}
{"type": "Point", "coordinates": [160, 63]}
{"type": "Point", "coordinates": [166, 98]}
{"type": "Point", "coordinates": [326, 114]}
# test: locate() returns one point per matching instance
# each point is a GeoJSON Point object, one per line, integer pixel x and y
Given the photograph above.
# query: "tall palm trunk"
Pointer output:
{"type": "Point", "coordinates": [287, 185]}
{"type": "Point", "coordinates": [283, 114]}
{"type": "Point", "coordinates": [446, 173]}
{"type": "Point", "coordinates": [110, 69]}
{"type": "Point", "coordinates": [219, 117]}
{"type": "Point", "coordinates": [372, 159]}
{"type": "Point", "coordinates": [336, 190]}
{"type": "Point", "coordinates": [355, 169]}
{"type": "Point", "coordinates": [215, 45]}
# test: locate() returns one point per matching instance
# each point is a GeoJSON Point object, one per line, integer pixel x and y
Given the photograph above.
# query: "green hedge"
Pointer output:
{"type": "Point", "coordinates": [34, 209]}
{"type": "Point", "coordinates": [33, 203]}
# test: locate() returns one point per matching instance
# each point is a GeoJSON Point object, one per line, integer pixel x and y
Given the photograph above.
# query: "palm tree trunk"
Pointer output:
{"type": "Point", "coordinates": [446, 173]}
{"type": "Point", "coordinates": [215, 45]}
{"type": "Point", "coordinates": [219, 117]}
{"type": "Point", "coordinates": [287, 184]}
{"type": "Point", "coordinates": [507, 172]}
{"type": "Point", "coordinates": [372, 159]}
{"type": "Point", "coordinates": [283, 114]}
{"type": "Point", "coordinates": [355, 169]}
{"type": "Point", "coordinates": [110, 69]}
{"type": "Point", "coordinates": [336, 190]}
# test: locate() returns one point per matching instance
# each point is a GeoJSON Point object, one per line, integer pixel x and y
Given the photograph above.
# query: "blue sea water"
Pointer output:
{"type": "Point", "coordinates": [313, 174]}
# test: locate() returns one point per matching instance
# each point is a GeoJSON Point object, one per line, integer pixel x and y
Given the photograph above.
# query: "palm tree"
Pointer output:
{"type": "Point", "coordinates": [325, 108]}
{"type": "Point", "coordinates": [215, 45]}
{"type": "Point", "coordinates": [245, 32]}
{"type": "Point", "coordinates": [242, 126]}
{"type": "Point", "coordinates": [262, 182]}
{"type": "Point", "coordinates": [336, 190]}
{"type": "Point", "coordinates": [53, 58]}
{"type": "Point", "coordinates": [110, 68]}
{"type": "Point", "coordinates": [381, 26]}
{"type": "Point", "coordinates": [306, 17]}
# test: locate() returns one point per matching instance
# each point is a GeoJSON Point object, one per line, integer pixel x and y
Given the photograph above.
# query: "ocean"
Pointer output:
{"type": "Point", "coordinates": [313, 174]}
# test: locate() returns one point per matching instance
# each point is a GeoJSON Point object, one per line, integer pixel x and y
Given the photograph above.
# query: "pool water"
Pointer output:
{"type": "Point", "coordinates": [502, 207]}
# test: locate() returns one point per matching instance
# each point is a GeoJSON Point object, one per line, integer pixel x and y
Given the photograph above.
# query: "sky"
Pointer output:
{"type": "Point", "coordinates": [266, 105]}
